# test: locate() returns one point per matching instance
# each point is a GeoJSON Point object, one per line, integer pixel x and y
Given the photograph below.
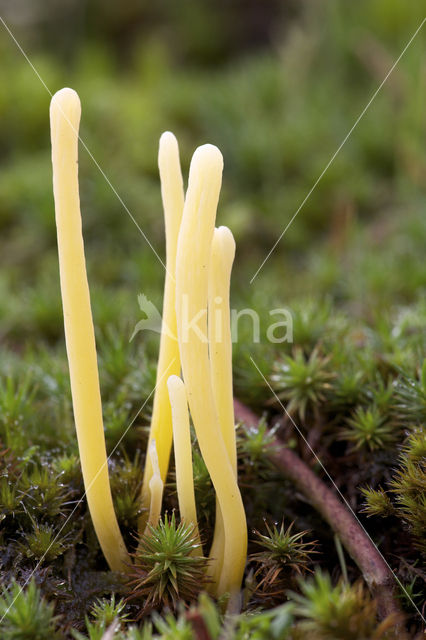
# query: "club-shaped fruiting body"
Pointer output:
{"type": "Point", "coordinates": [192, 277]}
{"type": "Point", "coordinates": [156, 486]}
{"type": "Point", "coordinates": [199, 262]}
{"type": "Point", "coordinates": [65, 113]}
{"type": "Point", "coordinates": [168, 360]}
{"type": "Point", "coordinates": [183, 452]}
{"type": "Point", "coordinates": [220, 352]}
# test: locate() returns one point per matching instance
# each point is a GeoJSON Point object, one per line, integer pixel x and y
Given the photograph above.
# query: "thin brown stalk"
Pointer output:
{"type": "Point", "coordinates": [343, 522]}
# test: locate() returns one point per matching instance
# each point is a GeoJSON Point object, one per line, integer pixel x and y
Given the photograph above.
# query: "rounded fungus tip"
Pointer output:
{"type": "Point", "coordinates": [65, 95]}
{"type": "Point", "coordinates": [167, 138]}
{"type": "Point", "coordinates": [207, 158]}
{"type": "Point", "coordinates": [224, 236]}
{"type": "Point", "coordinates": [174, 382]}
{"type": "Point", "coordinates": [66, 102]}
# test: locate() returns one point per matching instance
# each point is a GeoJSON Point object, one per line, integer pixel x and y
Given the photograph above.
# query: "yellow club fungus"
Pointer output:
{"type": "Point", "coordinates": [183, 452]}
{"type": "Point", "coordinates": [195, 335]}
{"type": "Point", "coordinates": [220, 351]}
{"type": "Point", "coordinates": [192, 276]}
{"type": "Point", "coordinates": [168, 361]}
{"type": "Point", "coordinates": [65, 113]}
{"type": "Point", "coordinates": [155, 486]}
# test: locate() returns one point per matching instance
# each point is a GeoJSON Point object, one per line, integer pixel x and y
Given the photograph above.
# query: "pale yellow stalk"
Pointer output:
{"type": "Point", "coordinates": [156, 486]}
{"type": "Point", "coordinates": [192, 269]}
{"type": "Point", "coordinates": [65, 113]}
{"type": "Point", "coordinates": [183, 452]}
{"type": "Point", "coordinates": [168, 360]}
{"type": "Point", "coordinates": [220, 350]}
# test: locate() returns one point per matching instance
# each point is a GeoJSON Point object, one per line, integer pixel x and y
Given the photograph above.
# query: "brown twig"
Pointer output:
{"type": "Point", "coordinates": [199, 626]}
{"type": "Point", "coordinates": [373, 567]}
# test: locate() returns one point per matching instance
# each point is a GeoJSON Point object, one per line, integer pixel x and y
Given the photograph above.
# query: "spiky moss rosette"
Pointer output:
{"type": "Point", "coordinates": [168, 567]}
{"type": "Point", "coordinates": [340, 612]}
{"type": "Point", "coordinates": [285, 555]}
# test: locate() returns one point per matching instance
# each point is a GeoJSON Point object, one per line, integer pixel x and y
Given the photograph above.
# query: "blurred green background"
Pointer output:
{"type": "Point", "coordinates": [276, 86]}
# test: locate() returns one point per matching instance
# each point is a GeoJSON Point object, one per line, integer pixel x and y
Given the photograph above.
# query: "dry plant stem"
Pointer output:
{"type": "Point", "coordinates": [198, 624]}
{"type": "Point", "coordinates": [359, 546]}
{"type": "Point", "coordinates": [375, 571]}
{"type": "Point", "coordinates": [79, 332]}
